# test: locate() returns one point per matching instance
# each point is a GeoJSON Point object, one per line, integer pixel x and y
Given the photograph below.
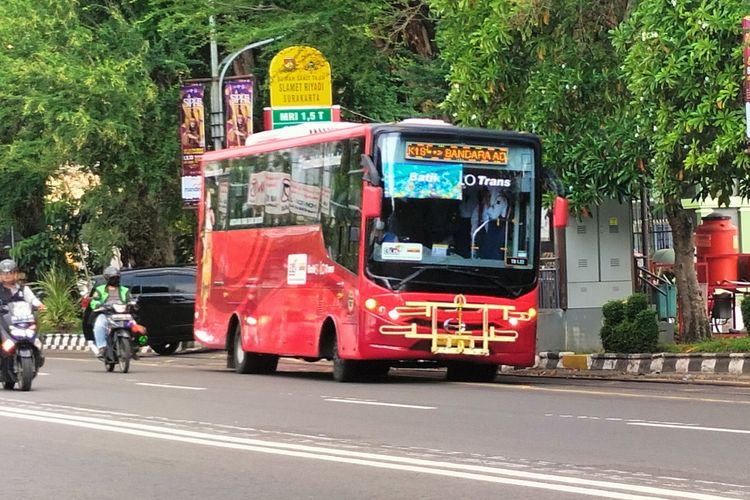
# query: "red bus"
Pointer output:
{"type": "Point", "coordinates": [372, 245]}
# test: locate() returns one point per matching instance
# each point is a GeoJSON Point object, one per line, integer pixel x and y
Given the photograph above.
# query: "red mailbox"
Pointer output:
{"type": "Point", "coordinates": [716, 247]}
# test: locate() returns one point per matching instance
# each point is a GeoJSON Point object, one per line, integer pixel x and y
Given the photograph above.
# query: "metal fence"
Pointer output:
{"type": "Point", "coordinates": [549, 287]}
{"type": "Point", "coordinates": [657, 227]}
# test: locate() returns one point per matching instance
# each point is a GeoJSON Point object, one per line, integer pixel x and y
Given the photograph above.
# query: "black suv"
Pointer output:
{"type": "Point", "coordinates": [166, 299]}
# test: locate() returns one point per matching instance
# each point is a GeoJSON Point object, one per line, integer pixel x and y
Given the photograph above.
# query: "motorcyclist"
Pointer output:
{"type": "Point", "coordinates": [12, 290]}
{"type": "Point", "coordinates": [108, 293]}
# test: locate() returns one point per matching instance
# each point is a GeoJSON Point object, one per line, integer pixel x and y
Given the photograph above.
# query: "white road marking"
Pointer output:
{"type": "Point", "coordinates": [168, 386]}
{"type": "Point", "coordinates": [456, 470]}
{"type": "Point", "coordinates": [377, 403]}
{"type": "Point", "coordinates": [692, 427]}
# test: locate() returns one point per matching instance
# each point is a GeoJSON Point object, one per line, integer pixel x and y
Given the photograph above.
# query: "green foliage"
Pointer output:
{"type": "Point", "coordinates": [629, 326]}
{"type": "Point", "coordinates": [60, 296]}
{"type": "Point", "coordinates": [614, 312]}
{"type": "Point", "coordinates": [741, 344]}
{"type": "Point", "coordinates": [636, 303]}
{"type": "Point", "coordinates": [745, 309]}
{"type": "Point", "coordinates": [547, 68]}
{"type": "Point", "coordinates": [37, 254]}
{"type": "Point", "coordinates": [682, 62]}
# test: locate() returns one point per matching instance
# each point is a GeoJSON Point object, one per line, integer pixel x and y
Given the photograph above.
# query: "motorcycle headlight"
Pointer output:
{"type": "Point", "coordinates": [24, 333]}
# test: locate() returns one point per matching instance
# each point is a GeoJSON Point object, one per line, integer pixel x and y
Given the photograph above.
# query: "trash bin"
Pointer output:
{"type": "Point", "coordinates": [666, 304]}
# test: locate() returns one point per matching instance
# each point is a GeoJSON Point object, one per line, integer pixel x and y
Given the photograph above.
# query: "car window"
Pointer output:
{"type": "Point", "coordinates": [150, 283]}
{"type": "Point", "coordinates": [184, 283]}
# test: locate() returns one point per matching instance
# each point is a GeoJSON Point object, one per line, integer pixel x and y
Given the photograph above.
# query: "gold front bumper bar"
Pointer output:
{"type": "Point", "coordinates": [454, 338]}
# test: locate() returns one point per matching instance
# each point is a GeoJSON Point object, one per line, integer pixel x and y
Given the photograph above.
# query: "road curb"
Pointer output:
{"type": "Point", "coordinates": [648, 364]}
{"type": "Point", "coordinates": [77, 342]}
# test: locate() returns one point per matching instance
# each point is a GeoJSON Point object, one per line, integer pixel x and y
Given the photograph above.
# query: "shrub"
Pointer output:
{"type": "Point", "coordinates": [614, 312]}
{"type": "Point", "coordinates": [59, 294]}
{"type": "Point", "coordinates": [745, 309]}
{"type": "Point", "coordinates": [629, 326]}
{"type": "Point", "coordinates": [634, 304]}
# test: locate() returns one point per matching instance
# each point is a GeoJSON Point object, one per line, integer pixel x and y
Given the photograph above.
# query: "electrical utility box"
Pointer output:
{"type": "Point", "coordinates": [599, 257]}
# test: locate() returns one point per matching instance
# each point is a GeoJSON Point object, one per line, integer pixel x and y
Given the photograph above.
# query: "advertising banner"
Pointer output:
{"type": "Point", "coordinates": [238, 106]}
{"type": "Point", "coordinates": [192, 140]}
{"type": "Point", "coordinates": [423, 180]}
{"type": "Point", "coordinates": [277, 192]}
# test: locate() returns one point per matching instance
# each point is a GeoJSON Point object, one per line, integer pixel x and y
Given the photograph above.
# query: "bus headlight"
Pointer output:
{"type": "Point", "coordinates": [513, 321]}
{"type": "Point", "coordinates": [393, 314]}
{"type": "Point", "coordinates": [371, 304]}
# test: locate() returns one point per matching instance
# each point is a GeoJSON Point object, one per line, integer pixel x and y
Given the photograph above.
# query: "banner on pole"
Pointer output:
{"type": "Point", "coordinates": [192, 140]}
{"type": "Point", "coordinates": [238, 103]}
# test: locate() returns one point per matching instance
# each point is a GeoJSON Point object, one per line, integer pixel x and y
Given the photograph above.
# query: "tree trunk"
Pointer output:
{"type": "Point", "coordinates": [691, 304]}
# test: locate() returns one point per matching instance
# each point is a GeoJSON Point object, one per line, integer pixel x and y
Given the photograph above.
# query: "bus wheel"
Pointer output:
{"type": "Point", "coordinates": [344, 370]}
{"type": "Point", "coordinates": [462, 371]}
{"type": "Point", "coordinates": [250, 362]}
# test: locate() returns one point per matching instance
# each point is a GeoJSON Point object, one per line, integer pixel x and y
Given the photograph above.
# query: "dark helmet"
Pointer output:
{"type": "Point", "coordinates": [8, 266]}
{"type": "Point", "coordinates": [111, 274]}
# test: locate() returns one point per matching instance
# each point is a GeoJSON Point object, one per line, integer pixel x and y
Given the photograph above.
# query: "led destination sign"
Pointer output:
{"type": "Point", "coordinates": [455, 153]}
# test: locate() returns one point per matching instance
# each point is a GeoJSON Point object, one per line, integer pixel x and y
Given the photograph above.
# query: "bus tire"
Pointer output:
{"type": "Point", "coordinates": [250, 362]}
{"type": "Point", "coordinates": [344, 370]}
{"type": "Point", "coordinates": [463, 371]}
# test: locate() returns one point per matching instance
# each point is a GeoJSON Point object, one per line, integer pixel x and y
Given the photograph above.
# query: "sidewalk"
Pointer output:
{"type": "Point", "coordinates": [725, 368]}
{"type": "Point", "coordinates": [77, 342]}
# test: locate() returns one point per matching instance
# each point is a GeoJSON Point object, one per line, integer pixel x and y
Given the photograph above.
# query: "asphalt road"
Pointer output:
{"type": "Point", "coordinates": [186, 427]}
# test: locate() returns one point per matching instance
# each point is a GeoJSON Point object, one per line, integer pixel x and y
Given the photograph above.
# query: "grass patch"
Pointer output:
{"type": "Point", "coordinates": [710, 346]}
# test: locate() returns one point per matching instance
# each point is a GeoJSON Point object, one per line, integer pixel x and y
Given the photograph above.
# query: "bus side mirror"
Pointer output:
{"type": "Point", "coordinates": [560, 212]}
{"type": "Point", "coordinates": [371, 174]}
{"type": "Point", "coordinates": [372, 199]}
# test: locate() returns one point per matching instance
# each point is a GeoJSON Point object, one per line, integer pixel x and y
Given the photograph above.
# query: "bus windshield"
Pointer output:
{"type": "Point", "coordinates": [463, 208]}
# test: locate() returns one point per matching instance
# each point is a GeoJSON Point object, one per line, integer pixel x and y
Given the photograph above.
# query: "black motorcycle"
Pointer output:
{"type": "Point", "coordinates": [124, 334]}
{"type": "Point", "coordinates": [20, 350]}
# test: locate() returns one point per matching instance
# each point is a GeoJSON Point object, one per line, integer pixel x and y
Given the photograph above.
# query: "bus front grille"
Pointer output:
{"type": "Point", "coordinates": [456, 335]}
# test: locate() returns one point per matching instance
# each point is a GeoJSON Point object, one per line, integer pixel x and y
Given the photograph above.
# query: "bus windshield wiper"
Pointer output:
{"type": "Point", "coordinates": [419, 270]}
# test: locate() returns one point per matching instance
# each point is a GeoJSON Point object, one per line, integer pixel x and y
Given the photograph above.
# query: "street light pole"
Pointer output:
{"type": "Point", "coordinates": [216, 124]}
{"type": "Point", "coordinates": [217, 102]}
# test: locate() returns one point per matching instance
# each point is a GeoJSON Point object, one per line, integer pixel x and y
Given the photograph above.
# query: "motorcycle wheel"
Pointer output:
{"type": "Point", "coordinates": [26, 373]}
{"type": "Point", "coordinates": [124, 353]}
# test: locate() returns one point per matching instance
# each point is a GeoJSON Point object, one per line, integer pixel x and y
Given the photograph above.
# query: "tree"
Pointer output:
{"type": "Point", "coordinates": [548, 68]}
{"type": "Point", "coordinates": [383, 59]}
{"type": "Point", "coordinates": [105, 102]}
{"type": "Point", "coordinates": [660, 101]}
{"type": "Point", "coordinates": [683, 65]}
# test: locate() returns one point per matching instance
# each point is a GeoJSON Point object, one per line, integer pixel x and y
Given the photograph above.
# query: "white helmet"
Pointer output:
{"type": "Point", "coordinates": [8, 266]}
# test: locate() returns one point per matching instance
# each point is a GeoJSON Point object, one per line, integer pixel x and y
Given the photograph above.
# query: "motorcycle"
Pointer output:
{"type": "Point", "coordinates": [124, 335]}
{"type": "Point", "coordinates": [20, 350]}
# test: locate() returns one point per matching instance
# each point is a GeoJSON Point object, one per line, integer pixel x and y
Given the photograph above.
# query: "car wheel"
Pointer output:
{"type": "Point", "coordinates": [166, 348]}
